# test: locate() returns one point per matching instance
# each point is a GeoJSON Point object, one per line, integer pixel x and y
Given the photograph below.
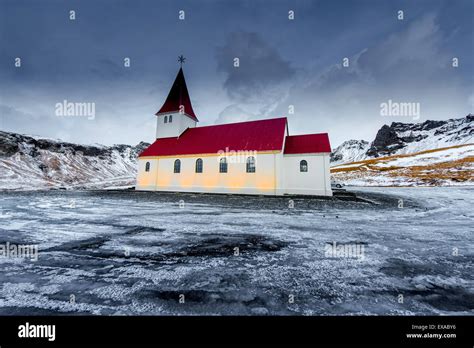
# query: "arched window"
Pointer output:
{"type": "Point", "coordinates": [199, 165]}
{"type": "Point", "coordinates": [223, 165]}
{"type": "Point", "coordinates": [177, 166]}
{"type": "Point", "coordinates": [251, 164]}
{"type": "Point", "coordinates": [166, 119]}
{"type": "Point", "coordinates": [303, 166]}
{"type": "Point", "coordinates": [147, 166]}
{"type": "Point", "coordinates": [170, 119]}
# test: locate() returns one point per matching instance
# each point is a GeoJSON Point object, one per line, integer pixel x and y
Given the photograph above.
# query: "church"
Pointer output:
{"type": "Point", "coordinates": [254, 157]}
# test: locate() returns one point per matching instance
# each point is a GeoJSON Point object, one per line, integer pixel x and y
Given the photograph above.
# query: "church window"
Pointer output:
{"type": "Point", "coordinates": [177, 166]}
{"type": "Point", "coordinates": [147, 167]}
{"type": "Point", "coordinates": [251, 164]}
{"type": "Point", "coordinates": [303, 166]}
{"type": "Point", "coordinates": [199, 165]}
{"type": "Point", "coordinates": [223, 165]}
{"type": "Point", "coordinates": [166, 119]}
{"type": "Point", "coordinates": [170, 119]}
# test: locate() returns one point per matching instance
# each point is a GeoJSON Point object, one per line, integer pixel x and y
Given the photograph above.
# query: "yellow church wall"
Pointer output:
{"type": "Point", "coordinates": [162, 178]}
{"type": "Point", "coordinates": [147, 180]}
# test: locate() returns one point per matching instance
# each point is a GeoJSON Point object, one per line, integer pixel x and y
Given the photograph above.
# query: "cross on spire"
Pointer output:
{"type": "Point", "coordinates": [181, 60]}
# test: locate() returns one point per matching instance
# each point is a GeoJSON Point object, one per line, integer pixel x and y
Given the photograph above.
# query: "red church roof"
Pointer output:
{"type": "Point", "coordinates": [308, 143]}
{"type": "Point", "coordinates": [178, 96]}
{"type": "Point", "coordinates": [261, 135]}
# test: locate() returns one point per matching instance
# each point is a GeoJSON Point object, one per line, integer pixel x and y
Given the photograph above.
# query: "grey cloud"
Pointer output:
{"type": "Point", "coordinates": [261, 66]}
{"type": "Point", "coordinates": [108, 70]}
{"type": "Point", "coordinates": [409, 66]}
{"type": "Point", "coordinates": [12, 118]}
{"type": "Point", "coordinates": [408, 57]}
{"type": "Point", "coordinates": [418, 48]}
{"type": "Point", "coordinates": [235, 113]}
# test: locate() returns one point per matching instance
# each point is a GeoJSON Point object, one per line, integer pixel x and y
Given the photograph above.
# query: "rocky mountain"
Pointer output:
{"type": "Point", "coordinates": [407, 138]}
{"type": "Point", "coordinates": [28, 162]}
{"type": "Point", "coordinates": [431, 153]}
{"type": "Point", "coordinates": [350, 151]}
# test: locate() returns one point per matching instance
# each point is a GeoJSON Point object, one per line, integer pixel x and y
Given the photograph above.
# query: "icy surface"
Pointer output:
{"type": "Point", "coordinates": [136, 253]}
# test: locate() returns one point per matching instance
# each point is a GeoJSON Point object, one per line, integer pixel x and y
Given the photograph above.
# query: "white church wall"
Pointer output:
{"type": "Point", "coordinates": [279, 174]}
{"type": "Point", "coordinates": [280, 169]}
{"type": "Point", "coordinates": [185, 122]}
{"type": "Point", "coordinates": [172, 129]}
{"type": "Point", "coordinates": [236, 180]}
{"type": "Point", "coordinates": [316, 181]}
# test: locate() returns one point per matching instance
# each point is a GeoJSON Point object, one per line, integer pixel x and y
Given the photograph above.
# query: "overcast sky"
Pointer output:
{"type": "Point", "coordinates": [284, 64]}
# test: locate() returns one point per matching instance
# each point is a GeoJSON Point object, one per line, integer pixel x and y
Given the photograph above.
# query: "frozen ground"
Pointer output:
{"type": "Point", "coordinates": [135, 253]}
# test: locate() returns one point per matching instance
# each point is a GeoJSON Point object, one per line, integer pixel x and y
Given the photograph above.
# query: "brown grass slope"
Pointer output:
{"type": "Point", "coordinates": [456, 170]}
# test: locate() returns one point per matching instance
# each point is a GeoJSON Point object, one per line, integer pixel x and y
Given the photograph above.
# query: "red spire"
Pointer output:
{"type": "Point", "coordinates": [178, 96]}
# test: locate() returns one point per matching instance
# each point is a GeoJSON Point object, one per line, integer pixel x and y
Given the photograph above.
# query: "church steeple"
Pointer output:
{"type": "Point", "coordinates": [177, 114]}
{"type": "Point", "coordinates": [178, 98]}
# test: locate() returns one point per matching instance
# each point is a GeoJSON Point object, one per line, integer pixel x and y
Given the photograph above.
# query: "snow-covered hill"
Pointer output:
{"type": "Point", "coordinates": [439, 167]}
{"type": "Point", "coordinates": [431, 153]}
{"type": "Point", "coordinates": [350, 151]}
{"type": "Point", "coordinates": [407, 138]}
{"type": "Point", "coordinates": [34, 163]}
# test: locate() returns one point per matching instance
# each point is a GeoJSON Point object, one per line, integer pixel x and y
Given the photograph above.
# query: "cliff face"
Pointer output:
{"type": "Point", "coordinates": [405, 138]}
